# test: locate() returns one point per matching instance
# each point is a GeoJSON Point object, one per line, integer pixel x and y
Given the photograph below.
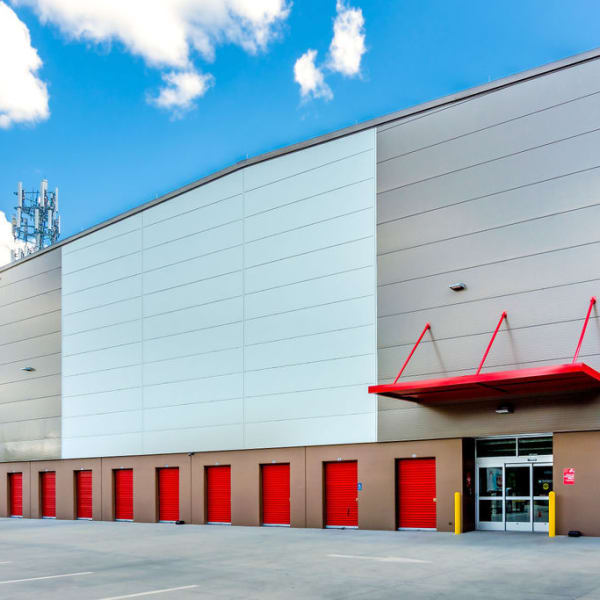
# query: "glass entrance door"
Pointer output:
{"type": "Point", "coordinates": [517, 501]}
{"type": "Point", "coordinates": [513, 496]}
{"type": "Point", "coordinates": [542, 486]}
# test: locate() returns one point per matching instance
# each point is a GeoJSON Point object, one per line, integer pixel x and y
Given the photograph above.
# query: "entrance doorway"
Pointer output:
{"type": "Point", "coordinates": [513, 480]}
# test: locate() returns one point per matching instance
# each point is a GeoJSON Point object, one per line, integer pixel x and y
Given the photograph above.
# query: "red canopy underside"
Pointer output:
{"type": "Point", "coordinates": [502, 385]}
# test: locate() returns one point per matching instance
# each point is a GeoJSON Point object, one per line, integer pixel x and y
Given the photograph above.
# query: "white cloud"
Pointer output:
{"type": "Point", "coordinates": [23, 96]}
{"type": "Point", "coordinates": [310, 77]}
{"type": "Point", "coordinates": [182, 89]}
{"type": "Point", "coordinates": [6, 239]}
{"type": "Point", "coordinates": [165, 33]}
{"type": "Point", "coordinates": [348, 43]}
{"type": "Point", "coordinates": [345, 54]}
{"type": "Point", "coordinates": [7, 242]}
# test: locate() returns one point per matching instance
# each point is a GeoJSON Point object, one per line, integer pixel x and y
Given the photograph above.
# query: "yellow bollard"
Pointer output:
{"type": "Point", "coordinates": [457, 513]}
{"type": "Point", "coordinates": [552, 514]}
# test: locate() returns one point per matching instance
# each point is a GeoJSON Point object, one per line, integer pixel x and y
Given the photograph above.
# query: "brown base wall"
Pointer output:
{"type": "Point", "coordinates": [376, 471]}
{"type": "Point", "coordinates": [577, 504]}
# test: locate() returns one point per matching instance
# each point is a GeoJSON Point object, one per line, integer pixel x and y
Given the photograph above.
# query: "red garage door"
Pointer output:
{"type": "Point", "coordinates": [341, 500]}
{"type": "Point", "coordinates": [276, 494]}
{"type": "Point", "coordinates": [218, 494]}
{"type": "Point", "coordinates": [15, 481]}
{"type": "Point", "coordinates": [48, 487]}
{"type": "Point", "coordinates": [416, 493]}
{"type": "Point", "coordinates": [124, 495]}
{"type": "Point", "coordinates": [168, 494]}
{"type": "Point", "coordinates": [84, 494]}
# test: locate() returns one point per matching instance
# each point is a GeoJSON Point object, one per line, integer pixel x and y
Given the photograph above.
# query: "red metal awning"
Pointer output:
{"type": "Point", "coordinates": [502, 385]}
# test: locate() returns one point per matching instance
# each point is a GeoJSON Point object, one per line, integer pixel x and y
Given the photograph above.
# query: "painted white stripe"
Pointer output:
{"type": "Point", "coordinates": [46, 577]}
{"type": "Point", "coordinates": [5, 562]}
{"type": "Point", "coordinates": [382, 558]}
{"type": "Point", "coordinates": [183, 587]}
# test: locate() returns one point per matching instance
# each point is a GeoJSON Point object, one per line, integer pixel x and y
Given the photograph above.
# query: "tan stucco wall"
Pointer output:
{"type": "Point", "coordinates": [578, 505]}
{"type": "Point", "coordinates": [18, 467]}
{"type": "Point", "coordinates": [376, 471]}
{"type": "Point", "coordinates": [246, 483]}
{"type": "Point", "coordinates": [377, 507]}
{"type": "Point", "coordinates": [145, 495]}
{"type": "Point", "coordinates": [66, 505]}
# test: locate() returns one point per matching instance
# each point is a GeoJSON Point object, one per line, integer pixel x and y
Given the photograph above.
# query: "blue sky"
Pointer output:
{"type": "Point", "coordinates": [109, 148]}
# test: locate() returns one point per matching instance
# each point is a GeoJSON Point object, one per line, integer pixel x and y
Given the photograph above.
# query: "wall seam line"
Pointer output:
{"type": "Point", "coordinates": [142, 334]}
{"type": "Point", "coordinates": [243, 172]}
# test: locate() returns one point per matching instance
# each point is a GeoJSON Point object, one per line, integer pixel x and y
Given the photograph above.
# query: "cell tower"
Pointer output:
{"type": "Point", "coordinates": [36, 222]}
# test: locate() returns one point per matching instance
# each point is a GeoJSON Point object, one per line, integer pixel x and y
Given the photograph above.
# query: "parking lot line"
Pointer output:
{"type": "Point", "coordinates": [152, 592]}
{"type": "Point", "coordinates": [46, 577]}
{"type": "Point", "coordinates": [382, 558]}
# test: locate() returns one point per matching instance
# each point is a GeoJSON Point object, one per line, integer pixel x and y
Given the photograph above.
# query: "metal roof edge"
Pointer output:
{"type": "Point", "coordinates": [327, 137]}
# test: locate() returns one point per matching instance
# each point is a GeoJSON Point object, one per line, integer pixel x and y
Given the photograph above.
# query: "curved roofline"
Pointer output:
{"type": "Point", "coordinates": [401, 114]}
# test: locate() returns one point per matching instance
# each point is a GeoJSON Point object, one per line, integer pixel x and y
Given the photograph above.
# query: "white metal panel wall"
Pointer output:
{"type": "Point", "coordinates": [102, 409]}
{"type": "Point", "coordinates": [499, 191]}
{"type": "Point", "coordinates": [30, 337]}
{"type": "Point", "coordinates": [310, 341]}
{"type": "Point", "coordinates": [240, 314]}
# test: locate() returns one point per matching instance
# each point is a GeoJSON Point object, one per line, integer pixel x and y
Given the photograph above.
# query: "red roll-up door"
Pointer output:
{"type": "Point", "coordinates": [124, 494]}
{"type": "Point", "coordinates": [341, 494]}
{"type": "Point", "coordinates": [276, 494]}
{"type": "Point", "coordinates": [15, 481]}
{"type": "Point", "coordinates": [218, 494]}
{"type": "Point", "coordinates": [48, 487]}
{"type": "Point", "coordinates": [416, 493]}
{"type": "Point", "coordinates": [84, 494]}
{"type": "Point", "coordinates": [168, 494]}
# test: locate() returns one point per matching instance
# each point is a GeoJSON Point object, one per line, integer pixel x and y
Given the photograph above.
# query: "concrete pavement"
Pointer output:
{"type": "Point", "coordinates": [99, 560]}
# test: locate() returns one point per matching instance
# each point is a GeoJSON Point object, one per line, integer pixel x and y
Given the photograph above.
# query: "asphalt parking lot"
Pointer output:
{"type": "Point", "coordinates": [99, 560]}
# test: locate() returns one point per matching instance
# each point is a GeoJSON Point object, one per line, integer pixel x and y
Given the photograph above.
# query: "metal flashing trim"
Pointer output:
{"type": "Point", "coordinates": [340, 133]}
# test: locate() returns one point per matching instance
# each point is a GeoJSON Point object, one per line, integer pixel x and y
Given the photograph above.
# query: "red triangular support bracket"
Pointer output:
{"type": "Point", "coordinates": [487, 350]}
{"type": "Point", "coordinates": [585, 324]}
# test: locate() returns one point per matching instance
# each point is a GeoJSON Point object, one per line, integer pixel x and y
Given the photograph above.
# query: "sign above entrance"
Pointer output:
{"type": "Point", "coordinates": [569, 476]}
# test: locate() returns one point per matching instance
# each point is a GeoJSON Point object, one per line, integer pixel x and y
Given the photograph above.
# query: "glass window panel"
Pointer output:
{"type": "Point", "coordinates": [517, 481]}
{"type": "Point", "coordinates": [540, 511]}
{"type": "Point", "coordinates": [535, 445]}
{"type": "Point", "coordinates": [499, 447]}
{"type": "Point", "coordinates": [490, 510]}
{"type": "Point", "coordinates": [542, 480]}
{"type": "Point", "coordinates": [490, 481]}
{"type": "Point", "coordinates": [517, 511]}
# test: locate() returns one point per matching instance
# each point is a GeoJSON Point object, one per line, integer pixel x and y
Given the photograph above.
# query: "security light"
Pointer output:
{"type": "Point", "coordinates": [458, 287]}
{"type": "Point", "coordinates": [505, 409]}
{"type": "Point", "coordinates": [28, 369]}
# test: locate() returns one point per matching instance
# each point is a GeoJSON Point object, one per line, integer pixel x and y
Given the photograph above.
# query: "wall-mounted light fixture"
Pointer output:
{"type": "Point", "coordinates": [28, 369]}
{"type": "Point", "coordinates": [505, 409]}
{"type": "Point", "coordinates": [458, 287]}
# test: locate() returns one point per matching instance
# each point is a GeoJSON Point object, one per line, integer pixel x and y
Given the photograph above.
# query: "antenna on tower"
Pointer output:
{"type": "Point", "coordinates": [36, 221]}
